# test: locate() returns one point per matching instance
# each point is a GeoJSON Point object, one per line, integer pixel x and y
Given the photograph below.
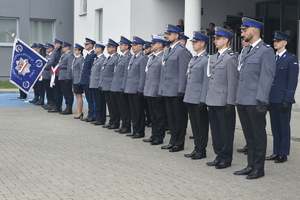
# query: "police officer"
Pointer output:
{"type": "Point", "coordinates": [106, 76]}
{"type": "Point", "coordinates": [173, 75]}
{"type": "Point", "coordinates": [50, 56]}
{"type": "Point", "coordinates": [257, 69]}
{"type": "Point", "coordinates": [85, 79]}
{"type": "Point", "coordinates": [148, 52]}
{"type": "Point", "coordinates": [156, 104]}
{"type": "Point", "coordinates": [118, 85]}
{"type": "Point", "coordinates": [58, 97]}
{"type": "Point", "coordinates": [94, 84]}
{"type": "Point", "coordinates": [35, 87]}
{"type": "Point", "coordinates": [39, 82]}
{"type": "Point", "coordinates": [221, 92]}
{"type": "Point", "coordinates": [183, 39]}
{"type": "Point", "coordinates": [282, 97]}
{"type": "Point", "coordinates": [65, 77]}
{"type": "Point", "coordinates": [76, 72]}
{"type": "Point", "coordinates": [135, 87]}
{"type": "Point", "coordinates": [195, 95]}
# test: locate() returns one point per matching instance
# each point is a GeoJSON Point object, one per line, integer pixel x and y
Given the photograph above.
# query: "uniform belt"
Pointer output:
{"type": "Point", "coordinates": [63, 68]}
{"type": "Point", "coordinates": [46, 69]}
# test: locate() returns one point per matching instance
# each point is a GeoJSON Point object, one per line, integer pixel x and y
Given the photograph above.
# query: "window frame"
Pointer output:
{"type": "Point", "coordinates": [10, 44]}
{"type": "Point", "coordinates": [42, 20]}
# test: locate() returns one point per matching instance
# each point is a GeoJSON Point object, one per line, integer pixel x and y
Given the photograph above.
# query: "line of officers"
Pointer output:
{"type": "Point", "coordinates": [176, 84]}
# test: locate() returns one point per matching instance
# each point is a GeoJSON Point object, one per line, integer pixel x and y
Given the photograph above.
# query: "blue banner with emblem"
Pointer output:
{"type": "Point", "coordinates": [26, 66]}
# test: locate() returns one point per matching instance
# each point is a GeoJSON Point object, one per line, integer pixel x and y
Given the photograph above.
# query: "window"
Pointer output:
{"type": "Point", "coordinates": [83, 7]}
{"type": "Point", "coordinates": [7, 24]}
{"type": "Point", "coordinates": [41, 31]}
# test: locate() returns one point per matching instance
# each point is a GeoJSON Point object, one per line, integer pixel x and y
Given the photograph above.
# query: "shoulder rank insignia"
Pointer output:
{"type": "Point", "coordinates": [267, 45]}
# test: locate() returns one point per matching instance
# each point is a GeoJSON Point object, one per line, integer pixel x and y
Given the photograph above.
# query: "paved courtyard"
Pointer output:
{"type": "Point", "coordinates": [50, 156]}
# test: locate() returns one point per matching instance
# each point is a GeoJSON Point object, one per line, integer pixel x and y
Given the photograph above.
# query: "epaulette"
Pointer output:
{"type": "Point", "coordinates": [231, 53]}
{"type": "Point", "coordinates": [267, 45]}
{"type": "Point", "coordinates": [182, 46]}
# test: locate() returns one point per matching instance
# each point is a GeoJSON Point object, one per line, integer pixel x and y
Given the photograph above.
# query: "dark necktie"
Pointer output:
{"type": "Point", "coordinates": [170, 49]}
{"type": "Point", "coordinates": [108, 58]}
{"type": "Point", "coordinates": [277, 57]}
{"type": "Point", "coordinates": [249, 49]}
{"type": "Point", "coordinates": [218, 55]}
{"type": "Point", "coordinates": [195, 57]}
{"type": "Point", "coordinates": [153, 57]}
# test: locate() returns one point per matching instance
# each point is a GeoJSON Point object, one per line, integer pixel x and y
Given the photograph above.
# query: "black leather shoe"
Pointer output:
{"type": "Point", "coordinates": [84, 119]}
{"type": "Point", "coordinates": [107, 126]}
{"type": "Point", "coordinates": [272, 157]}
{"type": "Point", "coordinates": [168, 146]}
{"type": "Point", "coordinates": [138, 135]}
{"type": "Point", "coordinates": [281, 159]}
{"type": "Point", "coordinates": [191, 137]}
{"type": "Point", "coordinates": [176, 149]}
{"type": "Point", "coordinates": [213, 163]}
{"type": "Point", "coordinates": [90, 120]}
{"type": "Point", "coordinates": [113, 127]}
{"type": "Point", "coordinates": [54, 110]}
{"type": "Point", "coordinates": [245, 171]}
{"type": "Point", "coordinates": [130, 134]}
{"type": "Point", "coordinates": [222, 165]}
{"type": "Point", "coordinates": [198, 155]}
{"type": "Point", "coordinates": [148, 140]}
{"type": "Point", "coordinates": [22, 97]}
{"type": "Point", "coordinates": [119, 129]}
{"type": "Point", "coordinates": [242, 150]}
{"type": "Point", "coordinates": [190, 154]}
{"type": "Point", "coordinates": [156, 142]}
{"type": "Point", "coordinates": [99, 123]}
{"type": "Point", "coordinates": [125, 130]}
{"type": "Point", "coordinates": [255, 174]}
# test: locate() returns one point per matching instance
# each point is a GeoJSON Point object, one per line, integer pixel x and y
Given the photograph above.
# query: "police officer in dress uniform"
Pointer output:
{"type": "Point", "coordinates": [76, 72]}
{"type": "Point", "coordinates": [221, 92]}
{"type": "Point", "coordinates": [156, 104]}
{"type": "Point", "coordinates": [65, 77]}
{"type": "Point", "coordinates": [94, 84]}
{"type": "Point", "coordinates": [195, 95]}
{"type": "Point", "coordinates": [257, 70]}
{"type": "Point", "coordinates": [57, 93]}
{"type": "Point", "coordinates": [282, 97]}
{"type": "Point", "coordinates": [118, 85]}
{"type": "Point", "coordinates": [134, 87]}
{"type": "Point", "coordinates": [35, 87]}
{"type": "Point", "coordinates": [85, 80]}
{"type": "Point", "coordinates": [39, 82]}
{"type": "Point", "coordinates": [183, 39]}
{"type": "Point", "coordinates": [173, 76]}
{"type": "Point", "coordinates": [148, 52]}
{"type": "Point", "coordinates": [50, 56]}
{"type": "Point", "coordinates": [107, 74]}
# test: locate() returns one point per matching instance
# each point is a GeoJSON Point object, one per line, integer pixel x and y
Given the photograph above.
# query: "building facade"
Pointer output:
{"type": "Point", "coordinates": [33, 21]}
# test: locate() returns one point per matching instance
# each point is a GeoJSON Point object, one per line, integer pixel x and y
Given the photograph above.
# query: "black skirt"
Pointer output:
{"type": "Point", "coordinates": [77, 89]}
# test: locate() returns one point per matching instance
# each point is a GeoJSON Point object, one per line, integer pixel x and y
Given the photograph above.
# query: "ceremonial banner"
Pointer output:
{"type": "Point", "coordinates": [26, 67]}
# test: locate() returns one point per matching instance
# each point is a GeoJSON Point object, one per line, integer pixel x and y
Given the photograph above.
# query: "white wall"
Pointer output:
{"type": "Point", "coordinates": [152, 16]}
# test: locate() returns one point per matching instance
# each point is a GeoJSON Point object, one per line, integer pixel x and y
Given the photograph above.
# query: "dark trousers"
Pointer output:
{"type": "Point", "coordinates": [124, 110]}
{"type": "Point", "coordinates": [114, 114]}
{"type": "Point", "coordinates": [147, 112]}
{"type": "Point", "coordinates": [41, 88]}
{"type": "Point", "coordinates": [36, 90]}
{"type": "Point", "coordinates": [157, 109]}
{"type": "Point", "coordinates": [100, 106]}
{"type": "Point", "coordinates": [136, 105]}
{"type": "Point", "coordinates": [58, 97]}
{"type": "Point", "coordinates": [90, 98]}
{"type": "Point", "coordinates": [66, 88]}
{"type": "Point", "coordinates": [22, 94]}
{"type": "Point", "coordinates": [199, 123]}
{"type": "Point", "coordinates": [281, 130]}
{"type": "Point", "coordinates": [222, 130]}
{"type": "Point", "coordinates": [49, 90]}
{"type": "Point", "coordinates": [254, 129]}
{"type": "Point", "coordinates": [177, 119]}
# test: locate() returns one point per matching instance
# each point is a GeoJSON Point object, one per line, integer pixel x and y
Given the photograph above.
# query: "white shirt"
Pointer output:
{"type": "Point", "coordinates": [280, 54]}
{"type": "Point", "coordinates": [255, 43]}
{"type": "Point", "coordinates": [173, 45]}
{"type": "Point", "coordinates": [122, 54]}
{"type": "Point", "coordinates": [200, 53]}
{"type": "Point", "coordinates": [222, 51]}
